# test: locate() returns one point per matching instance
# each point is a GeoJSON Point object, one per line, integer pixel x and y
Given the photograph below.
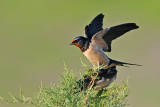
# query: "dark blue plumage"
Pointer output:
{"type": "Point", "coordinates": [95, 26]}
{"type": "Point", "coordinates": [112, 32]}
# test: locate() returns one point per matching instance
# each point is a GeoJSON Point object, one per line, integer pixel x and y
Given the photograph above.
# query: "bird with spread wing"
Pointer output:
{"type": "Point", "coordinates": [97, 41]}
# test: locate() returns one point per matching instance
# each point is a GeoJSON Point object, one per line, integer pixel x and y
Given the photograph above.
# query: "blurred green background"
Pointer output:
{"type": "Point", "coordinates": [34, 38]}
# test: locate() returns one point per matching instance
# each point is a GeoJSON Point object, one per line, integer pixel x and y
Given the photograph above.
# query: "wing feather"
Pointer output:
{"type": "Point", "coordinates": [95, 26]}
{"type": "Point", "coordinates": [117, 31]}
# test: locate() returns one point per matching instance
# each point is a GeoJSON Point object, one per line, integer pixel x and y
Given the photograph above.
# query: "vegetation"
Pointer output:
{"type": "Point", "coordinates": [68, 94]}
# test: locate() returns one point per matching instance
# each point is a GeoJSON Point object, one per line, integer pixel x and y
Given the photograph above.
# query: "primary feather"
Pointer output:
{"type": "Point", "coordinates": [112, 33]}
{"type": "Point", "coordinates": [95, 26]}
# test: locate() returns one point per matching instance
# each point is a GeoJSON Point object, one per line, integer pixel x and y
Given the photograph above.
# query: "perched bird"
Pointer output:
{"type": "Point", "coordinates": [103, 79]}
{"type": "Point", "coordinates": [97, 41]}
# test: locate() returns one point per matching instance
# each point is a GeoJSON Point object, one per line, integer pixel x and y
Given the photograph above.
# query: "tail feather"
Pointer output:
{"type": "Point", "coordinates": [122, 63]}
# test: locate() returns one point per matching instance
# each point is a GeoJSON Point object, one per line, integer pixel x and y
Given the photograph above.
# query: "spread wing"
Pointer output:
{"type": "Point", "coordinates": [117, 31]}
{"type": "Point", "coordinates": [94, 27]}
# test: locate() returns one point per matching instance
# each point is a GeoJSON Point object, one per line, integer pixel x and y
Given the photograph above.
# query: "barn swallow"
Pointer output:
{"type": "Point", "coordinates": [104, 77]}
{"type": "Point", "coordinates": [97, 41]}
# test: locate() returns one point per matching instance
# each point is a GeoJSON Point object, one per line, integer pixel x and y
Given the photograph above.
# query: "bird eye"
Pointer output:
{"type": "Point", "coordinates": [80, 42]}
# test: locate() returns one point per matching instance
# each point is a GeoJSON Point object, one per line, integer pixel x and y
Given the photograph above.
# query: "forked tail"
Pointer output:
{"type": "Point", "coordinates": [122, 63]}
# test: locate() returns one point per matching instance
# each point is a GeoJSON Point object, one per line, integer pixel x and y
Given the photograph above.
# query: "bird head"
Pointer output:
{"type": "Point", "coordinates": [78, 41]}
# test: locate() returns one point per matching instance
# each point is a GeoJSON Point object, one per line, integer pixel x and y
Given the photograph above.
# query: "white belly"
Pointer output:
{"type": "Point", "coordinates": [104, 82]}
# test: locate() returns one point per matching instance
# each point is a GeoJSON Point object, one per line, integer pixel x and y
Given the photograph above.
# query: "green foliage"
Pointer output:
{"type": "Point", "coordinates": [68, 94]}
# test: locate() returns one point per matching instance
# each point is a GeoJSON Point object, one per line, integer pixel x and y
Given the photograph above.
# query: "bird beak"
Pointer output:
{"type": "Point", "coordinates": [71, 44]}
